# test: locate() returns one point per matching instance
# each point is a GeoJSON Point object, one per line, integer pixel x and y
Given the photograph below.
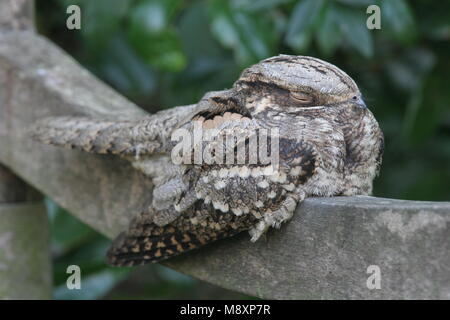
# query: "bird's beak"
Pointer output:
{"type": "Point", "coordinates": [360, 103]}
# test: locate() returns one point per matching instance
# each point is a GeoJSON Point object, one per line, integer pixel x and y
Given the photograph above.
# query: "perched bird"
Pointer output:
{"type": "Point", "coordinates": [307, 114]}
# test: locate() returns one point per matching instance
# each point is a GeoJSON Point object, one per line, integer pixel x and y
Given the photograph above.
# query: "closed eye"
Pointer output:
{"type": "Point", "coordinates": [302, 98]}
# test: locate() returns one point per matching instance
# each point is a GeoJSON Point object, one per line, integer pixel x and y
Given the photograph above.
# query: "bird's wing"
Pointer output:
{"type": "Point", "coordinates": [94, 136]}
{"type": "Point", "coordinates": [146, 136]}
{"type": "Point", "coordinates": [262, 201]}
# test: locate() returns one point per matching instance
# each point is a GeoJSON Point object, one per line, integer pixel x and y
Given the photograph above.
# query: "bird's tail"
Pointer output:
{"type": "Point", "coordinates": [153, 244]}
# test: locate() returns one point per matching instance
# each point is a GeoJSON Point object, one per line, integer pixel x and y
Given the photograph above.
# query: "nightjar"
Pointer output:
{"type": "Point", "coordinates": [308, 116]}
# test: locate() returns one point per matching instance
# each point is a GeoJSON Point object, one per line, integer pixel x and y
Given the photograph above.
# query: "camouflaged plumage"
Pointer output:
{"type": "Point", "coordinates": [329, 144]}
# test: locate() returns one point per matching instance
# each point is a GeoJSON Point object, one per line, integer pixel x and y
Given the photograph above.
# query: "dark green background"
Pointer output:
{"type": "Point", "coordinates": [162, 53]}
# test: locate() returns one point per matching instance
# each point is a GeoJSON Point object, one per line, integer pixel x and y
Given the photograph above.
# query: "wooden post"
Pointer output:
{"type": "Point", "coordinates": [25, 266]}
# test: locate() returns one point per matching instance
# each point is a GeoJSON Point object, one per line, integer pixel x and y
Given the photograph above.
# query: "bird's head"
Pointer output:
{"type": "Point", "coordinates": [292, 84]}
{"type": "Point", "coordinates": [283, 87]}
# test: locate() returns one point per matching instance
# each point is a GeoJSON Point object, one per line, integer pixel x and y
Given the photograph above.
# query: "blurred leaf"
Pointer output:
{"type": "Point", "coordinates": [435, 24]}
{"type": "Point", "coordinates": [125, 70]}
{"type": "Point", "coordinates": [76, 243]}
{"type": "Point", "coordinates": [328, 34]}
{"type": "Point", "coordinates": [154, 16]}
{"type": "Point", "coordinates": [432, 19]}
{"type": "Point", "coordinates": [352, 24]}
{"type": "Point", "coordinates": [412, 108]}
{"type": "Point", "coordinates": [422, 123]}
{"type": "Point", "coordinates": [260, 5]}
{"type": "Point", "coordinates": [209, 66]}
{"type": "Point", "coordinates": [280, 22]}
{"type": "Point", "coordinates": [100, 19]}
{"type": "Point", "coordinates": [397, 17]}
{"type": "Point", "coordinates": [154, 38]}
{"type": "Point", "coordinates": [197, 40]}
{"type": "Point", "coordinates": [173, 276]}
{"type": "Point", "coordinates": [301, 23]}
{"type": "Point", "coordinates": [357, 3]}
{"type": "Point", "coordinates": [409, 69]}
{"type": "Point", "coordinates": [251, 37]}
{"type": "Point", "coordinates": [67, 231]}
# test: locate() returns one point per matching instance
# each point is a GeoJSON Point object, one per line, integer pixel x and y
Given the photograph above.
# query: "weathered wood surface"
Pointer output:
{"type": "Point", "coordinates": [17, 14]}
{"type": "Point", "coordinates": [25, 267]}
{"type": "Point", "coordinates": [323, 252]}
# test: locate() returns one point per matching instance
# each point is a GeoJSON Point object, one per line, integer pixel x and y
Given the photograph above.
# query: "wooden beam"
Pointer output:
{"type": "Point", "coordinates": [324, 252]}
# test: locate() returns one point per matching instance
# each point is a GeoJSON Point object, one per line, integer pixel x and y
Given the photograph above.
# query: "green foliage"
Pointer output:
{"type": "Point", "coordinates": [399, 19]}
{"type": "Point", "coordinates": [74, 243]}
{"type": "Point", "coordinates": [249, 35]}
{"type": "Point", "coordinates": [154, 37]}
{"type": "Point", "coordinates": [163, 53]}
